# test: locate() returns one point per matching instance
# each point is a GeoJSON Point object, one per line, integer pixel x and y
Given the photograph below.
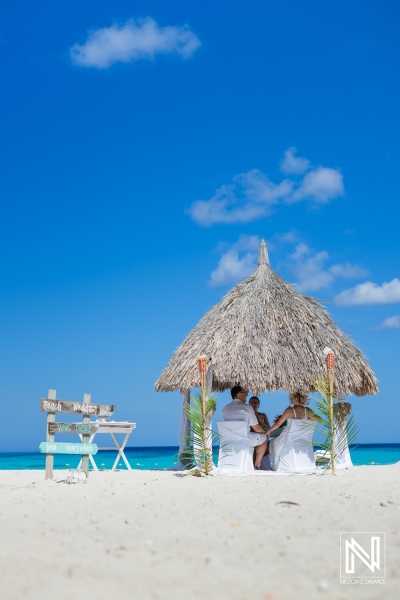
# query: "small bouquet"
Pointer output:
{"type": "Point", "coordinates": [341, 410]}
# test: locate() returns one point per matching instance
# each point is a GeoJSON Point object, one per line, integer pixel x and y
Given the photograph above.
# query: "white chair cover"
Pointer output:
{"type": "Point", "coordinates": [292, 451]}
{"type": "Point", "coordinates": [235, 453]}
{"type": "Point", "coordinates": [342, 454]}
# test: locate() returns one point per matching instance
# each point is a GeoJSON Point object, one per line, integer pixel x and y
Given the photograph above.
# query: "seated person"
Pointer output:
{"type": "Point", "coordinates": [261, 417]}
{"type": "Point", "coordinates": [238, 410]}
{"type": "Point", "coordinates": [298, 412]}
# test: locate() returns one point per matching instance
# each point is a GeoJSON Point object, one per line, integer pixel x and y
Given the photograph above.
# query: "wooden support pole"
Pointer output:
{"type": "Point", "coordinates": [87, 398]}
{"type": "Point", "coordinates": [331, 379]}
{"type": "Point", "coordinates": [51, 417]}
{"type": "Point", "coordinates": [330, 365]}
{"type": "Point", "coordinates": [203, 393]}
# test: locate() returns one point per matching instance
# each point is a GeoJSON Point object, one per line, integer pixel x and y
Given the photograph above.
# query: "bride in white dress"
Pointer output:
{"type": "Point", "coordinates": [290, 451]}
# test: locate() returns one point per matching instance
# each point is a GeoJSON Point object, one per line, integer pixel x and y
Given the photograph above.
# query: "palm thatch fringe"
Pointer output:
{"type": "Point", "coordinates": [264, 335]}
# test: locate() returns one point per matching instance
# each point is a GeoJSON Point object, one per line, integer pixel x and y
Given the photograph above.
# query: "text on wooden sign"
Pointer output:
{"type": "Point", "coordinates": [72, 428]}
{"type": "Point", "coordinates": [63, 448]}
{"type": "Point", "coordinates": [81, 408]}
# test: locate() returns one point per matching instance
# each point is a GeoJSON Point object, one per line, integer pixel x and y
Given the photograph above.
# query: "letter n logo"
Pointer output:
{"type": "Point", "coordinates": [362, 554]}
{"type": "Point", "coordinates": [372, 559]}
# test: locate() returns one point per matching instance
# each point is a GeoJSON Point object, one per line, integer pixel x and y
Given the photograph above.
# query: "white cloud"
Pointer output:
{"type": "Point", "coordinates": [348, 271]}
{"type": "Point", "coordinates": [370, 293]}
{"type": "Point", "coordinates": [309, 268]}
{"type": "Point", "coordinates": [292, 164]}
{"type": "Point", "coordinates": [390, 323]}
{"type": "Point", "coordinates": [290, 237]}
{"type": "Point", "coordinates": [232, 269]}
{"type": "Point", "coordinates": [248, 243]}
{"type": "Point", "coordinates": [133, 40]}
{"type": "Point", "coordinates": [253, 195]}
{"type": "Point", "coordinates": [321, 186]}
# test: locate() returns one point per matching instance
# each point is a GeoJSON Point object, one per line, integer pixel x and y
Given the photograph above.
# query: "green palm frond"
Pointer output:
{"type": "Point", "coordinates": [201, 438]}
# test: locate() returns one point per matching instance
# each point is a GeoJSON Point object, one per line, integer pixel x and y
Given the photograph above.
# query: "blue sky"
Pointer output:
{"type": "Point", "coordinates": [147, 147]}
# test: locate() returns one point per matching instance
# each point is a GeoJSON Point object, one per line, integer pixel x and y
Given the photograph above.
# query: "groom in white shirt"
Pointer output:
{"type": "Point", "coordinates": [238, 410]}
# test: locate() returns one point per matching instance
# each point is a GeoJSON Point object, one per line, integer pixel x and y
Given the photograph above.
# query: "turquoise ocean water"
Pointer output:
{"type": "Point", "coordinates": [165, 457]}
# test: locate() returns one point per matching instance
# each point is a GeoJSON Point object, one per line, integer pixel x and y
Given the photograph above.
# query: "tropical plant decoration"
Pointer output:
{"type": "Point", "coordinates": [337, 432]}
{"type": "Point", "coordinates": [341, 411]}
{"type": "Point", "coordinates": [202, 437]}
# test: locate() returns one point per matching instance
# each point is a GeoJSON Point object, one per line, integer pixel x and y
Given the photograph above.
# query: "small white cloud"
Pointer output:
{"type": "Point", "coordinates": [309, 268]}
{"type": "Point", "coordinates": [253, 195]}
{"type": "Point", "coordinates": [238, 260]}
{"type": "Point", "coordinates": [321, 186]}
{"type": "Point", "coordinates": [292, 164]}
{"type": "Point", "coordinates": [370, 293]}
{"type": "Point", "coordinates": [390, 323]}
{"type": "Point", "coordinates": [133, 40]}
{"type": "Point", "coordinates": [290, 237]}
{"type": "Point", "coordinates": [231, 268]}
{"type": "Point", "coordinates": [248, 243]}
{"type": "Point", "coordinates": [348, 271]}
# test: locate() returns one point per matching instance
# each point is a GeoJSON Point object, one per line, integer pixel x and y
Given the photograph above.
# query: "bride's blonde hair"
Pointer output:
{"type": "Point", "coordinates": [298, 398]}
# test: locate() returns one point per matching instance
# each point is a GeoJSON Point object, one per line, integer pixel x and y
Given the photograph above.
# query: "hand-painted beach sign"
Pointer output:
{"type": "Point", "coordinates": [72, 428]}
{"type": "Point", "coordinates": [84, 429]}
{"type": "Point", "coordinates": [77, 408]}
{"type": "Point", "coordinates": [63, 448]}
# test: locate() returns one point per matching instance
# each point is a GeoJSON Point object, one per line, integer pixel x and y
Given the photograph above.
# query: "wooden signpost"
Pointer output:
{"type": "Point", "coordinates": [85, 429]}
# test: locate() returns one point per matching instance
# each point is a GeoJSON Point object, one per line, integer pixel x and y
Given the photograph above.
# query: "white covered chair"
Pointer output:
{"type": "Point", "coordinates": [341, 448]}
{"type": "Point", "coordinates": [292, 451]}
{"type": "Point", "coordinates": [235, 453]}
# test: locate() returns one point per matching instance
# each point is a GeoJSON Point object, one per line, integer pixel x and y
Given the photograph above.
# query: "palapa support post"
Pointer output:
{"type": "Point", "coordinates": [330, 365]}
{"type": "Point", "coordinates": [87, 398]}
{"type": "Point", "coordinates": [203, 374]}
{"type": "Point", "coordinates": [51, 417]}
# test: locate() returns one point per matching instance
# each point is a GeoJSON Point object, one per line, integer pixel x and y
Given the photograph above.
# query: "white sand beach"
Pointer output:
{"type": "Point", "coordinates": [158, 535]}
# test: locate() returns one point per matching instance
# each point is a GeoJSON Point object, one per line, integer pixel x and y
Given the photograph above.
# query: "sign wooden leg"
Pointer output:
{"type": "Point", "coordinates": [87, 398]}
{"type": "Point", "coordinates": [51, 417]}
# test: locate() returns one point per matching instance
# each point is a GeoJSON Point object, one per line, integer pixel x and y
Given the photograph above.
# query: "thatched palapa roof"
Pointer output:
{"type": "Point", "coordinates": [264, 335]}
